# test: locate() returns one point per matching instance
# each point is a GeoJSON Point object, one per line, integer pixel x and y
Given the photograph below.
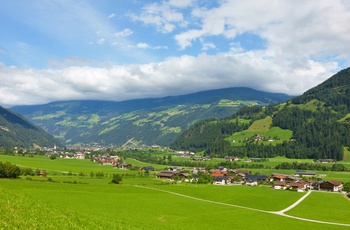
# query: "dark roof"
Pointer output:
{"type": "Point", "coordinates": [305, 173]}
{"type": "Point", "coordinates": [220, 178]}
{"type": "Point", "coordinates": [255, 177]}
{"type": "Point", "coordinates": [166, 174]}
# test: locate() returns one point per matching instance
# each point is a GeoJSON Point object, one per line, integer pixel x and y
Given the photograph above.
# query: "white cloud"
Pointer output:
{"type": "Point", "coordinates": [142, 45]}
{"type": "Point", "coordinates": [291, 28]}
{"type": "Point", "coordinates": [112, 15]}
{"type": "Point", "coordinates": [101, 41]}
{"type": "Point", "coordinates": [124, 33]}
{"type": "Point", "coordinates": [164, 16]}
{"type": "Point", "coordinates": [181, 3]}
{"type": "Point", "coordinates": [174, 76]}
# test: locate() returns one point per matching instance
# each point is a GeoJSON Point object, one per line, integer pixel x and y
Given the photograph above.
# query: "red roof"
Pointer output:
{"type": "Point", "coordinates": [296, 185]}
{"type": "Point", "coordinates": [279, 177]}
{"type": "Point", "coordinates": [335, 182]}
{"type": "Point", "coordinates": [215, 174]}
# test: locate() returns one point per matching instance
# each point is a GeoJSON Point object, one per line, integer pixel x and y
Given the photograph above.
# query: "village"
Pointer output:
{"type": "Point", "coordinates": [300, 181]}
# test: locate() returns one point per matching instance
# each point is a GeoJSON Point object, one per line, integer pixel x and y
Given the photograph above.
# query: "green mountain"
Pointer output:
{"type": "Point", "coordinates": [16, 131]}
{"type": "Point", "coordinates": [314, 125]}
{"type": "Point", "coordinates": [143, 121]}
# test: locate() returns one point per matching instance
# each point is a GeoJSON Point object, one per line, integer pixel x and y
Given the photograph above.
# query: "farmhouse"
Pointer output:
{"type": "Point", "coordinates": [147, 168]}
{"type": "Point", "coordinates": [166, 175]}
{"type": "Point", "coordinates": [242, 172]}
{"type": "Point", "coordinates": [125, 166]}
{"type": "Point", "coordinates": [79, 155]}
{"type": "Point", "coordinates": [332, 186]}
{"type": "Point", "coordinates": [221, 180]}
{"type": "Point", "coordinates": [300, 186]}
{"type": "Point", "coordinates": [231, 158]}
{"type": "Point", "coordinates": [252, 180]}
{"type": "Point", "coordinates": [279, 185]}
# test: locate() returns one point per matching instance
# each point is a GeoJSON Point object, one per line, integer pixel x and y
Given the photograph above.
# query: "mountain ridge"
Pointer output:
{"type": "Point", "coordinates": [16, 131]}
{"type": "Point", "coordinates": [111, 122]}
{"type": "Point", "coordinates": [313, 125]}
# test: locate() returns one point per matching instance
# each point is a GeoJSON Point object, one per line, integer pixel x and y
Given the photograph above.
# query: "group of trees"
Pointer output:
{"type": "Point", "coordinates": [201, 135]}
{"type": "Point", "coordinates": [8, 170]}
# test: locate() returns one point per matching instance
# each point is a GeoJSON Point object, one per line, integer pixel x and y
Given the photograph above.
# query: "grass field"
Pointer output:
{"type": "Point", "coordinates": [262, 127]}
{"type": "Point", "coordinates": [44, 205]}
{"type": "Point", "coordinates": [83, 202]}
{"type": "Point", "coordinates": [324, 206]}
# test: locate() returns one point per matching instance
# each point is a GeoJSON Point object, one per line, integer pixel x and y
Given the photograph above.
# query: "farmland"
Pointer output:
{"type": "Point", "coordinates": [72, 201]}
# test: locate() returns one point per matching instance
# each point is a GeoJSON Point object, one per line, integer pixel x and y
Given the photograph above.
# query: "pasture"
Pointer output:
{"type": "Point", "coordinates": [145, 202]}
{"type": "Point", "coordinates": [261, 127]}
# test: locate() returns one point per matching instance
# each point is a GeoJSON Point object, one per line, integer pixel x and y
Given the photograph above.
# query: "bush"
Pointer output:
{"type": "Point", "coordinates": [117, 178]}
{"type": "Point", "coordinates": [8, 170]}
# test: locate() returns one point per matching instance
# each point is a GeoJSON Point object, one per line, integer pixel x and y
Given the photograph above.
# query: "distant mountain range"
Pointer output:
{"type": "Point", "coordinates": [315, 125]}
{"type": "Point", "coordinates": [143, 121]}
{"type": "Point", "coordinates": [16, 131]}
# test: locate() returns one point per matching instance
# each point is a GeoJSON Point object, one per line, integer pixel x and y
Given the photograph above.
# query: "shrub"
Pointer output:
{"type": "Point", "coordinates": [117, 178]}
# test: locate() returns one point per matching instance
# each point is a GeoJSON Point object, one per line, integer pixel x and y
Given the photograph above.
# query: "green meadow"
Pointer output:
{"type": "Point", "coordinates": [262, 127]}
{"type": "Point", "coordinates": [62, 201]}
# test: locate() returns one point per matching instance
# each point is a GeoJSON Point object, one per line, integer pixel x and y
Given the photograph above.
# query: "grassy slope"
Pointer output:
{"type": "Point", "coordinates": [262, 127]}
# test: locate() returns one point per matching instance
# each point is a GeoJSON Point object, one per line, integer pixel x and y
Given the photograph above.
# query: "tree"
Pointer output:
{"type": "Point", "coordinates": [346, 187]}
{"type": "Point", "coordinates": [8, 170]}
{"type": "Point", "coordinates": [117, 178]}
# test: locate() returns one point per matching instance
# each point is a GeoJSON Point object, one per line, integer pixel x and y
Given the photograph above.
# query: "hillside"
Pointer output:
{"type": "Point", "coordinates": [143, 121]}
{"type": "Point", "coordinates": [314, 125]}
{"type": "Point", "coordinates": [17, 131]}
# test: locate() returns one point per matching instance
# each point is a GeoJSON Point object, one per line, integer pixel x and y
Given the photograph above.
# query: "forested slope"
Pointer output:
{"type": "Point", "coordinates": [319, 120]}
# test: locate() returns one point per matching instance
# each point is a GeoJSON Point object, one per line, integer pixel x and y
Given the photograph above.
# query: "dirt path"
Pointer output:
{"type": "Point", "coordinates": [280, 213]}
{"type": "Point", "coordinates": [293, 205]}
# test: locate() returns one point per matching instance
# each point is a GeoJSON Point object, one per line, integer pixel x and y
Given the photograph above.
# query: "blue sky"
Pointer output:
{"type": "Point", "coordinates": [120, 50]}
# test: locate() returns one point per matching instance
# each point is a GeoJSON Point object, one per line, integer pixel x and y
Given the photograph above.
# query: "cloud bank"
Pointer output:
{"type": "Point", "coordinates": [174, 76]}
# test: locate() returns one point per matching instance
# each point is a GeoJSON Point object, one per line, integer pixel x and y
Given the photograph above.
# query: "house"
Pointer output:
{"type": "Point", "coordinates": [231, 158]}
{"type": "Point", "coordinates": [279, 185]}
{"type": "Point", "coordinates": [221, 180]}
{"type": "Point", "coordinates": [300, 186]}
{"type": "Point", "coordinates": [218, 174]}
{"type": "Point", "coordinates": [252, 180]}
{"type": "Point", "coordinates": [125, 166]}
{"type": "Point", "coordinates": [311, 184]}
{"type": "Point", "coordinates": [147, 168]}
{"type": "Point", "coordinates": [278, 178]}
{"type": "Point", "coordinates": [327, 161]}
{"type": "Point", "coordinates": [166, 175]}
{"type": "Point", "coordinates": [79, 155]}
{"type": "Point", "coordinates": [331, 185]}
{"type": "Point", "coordinates": [242, 172]}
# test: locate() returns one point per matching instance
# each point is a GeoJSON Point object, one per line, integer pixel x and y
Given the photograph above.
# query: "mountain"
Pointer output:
{"type": "Point", "coordinates": [16, 131]}
{"type": "Point", "coordinates": [315, 125]}
{"type": "Point", "coordinates": [142, 121]}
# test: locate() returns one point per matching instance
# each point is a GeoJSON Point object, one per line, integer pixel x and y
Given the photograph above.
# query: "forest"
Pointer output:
{"type": "Point", "coordinates": [318, 119]}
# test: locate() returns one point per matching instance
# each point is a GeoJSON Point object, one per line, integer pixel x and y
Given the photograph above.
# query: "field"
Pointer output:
{"type": "Point", "coordinates": [262, 127]}
{"type": "Point", "coordinates": [140, 202]}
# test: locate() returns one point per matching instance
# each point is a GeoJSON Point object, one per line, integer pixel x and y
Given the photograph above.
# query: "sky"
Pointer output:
{"type": "Point", "coordinates": [53, 50]}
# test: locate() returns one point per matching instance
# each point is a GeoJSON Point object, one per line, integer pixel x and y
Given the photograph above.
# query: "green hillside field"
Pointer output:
{"type": "Point", "coordinates": [71, 201]}
{"type": "Point", "coordinates": [261, 127]}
